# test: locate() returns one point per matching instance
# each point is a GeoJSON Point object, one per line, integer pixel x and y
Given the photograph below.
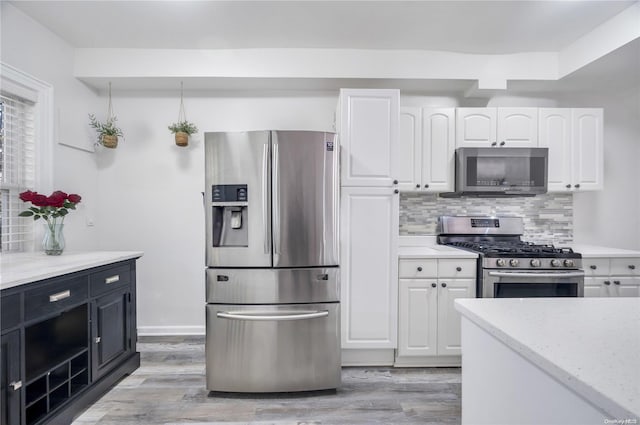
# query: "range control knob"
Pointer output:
{"type": "Point", "coordinates": [555, 263]}
{"type": "Point", "coordinates": [514, 263]}
{"type": "Point", "coordinates": [500, 262]}
{"type": "Point", "coordinates": [569, 263]}
{"type": "Point", "coordinates": [535, 263]}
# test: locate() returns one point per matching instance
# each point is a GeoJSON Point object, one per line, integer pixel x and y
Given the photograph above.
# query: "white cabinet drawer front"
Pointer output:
{"type": "Point", "coordinates": [456, 268]}
{"type": "Point", "coordinates": [421, 268]}
{"type": "Point", "coordinates": [595, 266]}
{"type": "Point", "coordinates": [625, 266]}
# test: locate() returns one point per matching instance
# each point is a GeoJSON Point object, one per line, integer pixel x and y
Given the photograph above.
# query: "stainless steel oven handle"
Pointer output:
{"type": "Point", "coordinates": [262, 317]}
{"type": "Point", "coordinates": [516, 274]}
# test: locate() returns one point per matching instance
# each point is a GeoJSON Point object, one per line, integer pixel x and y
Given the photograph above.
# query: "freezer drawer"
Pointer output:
{"type": "Point", "coordinates": [269, 348]}
{"type": "Point", "coordinates": [273, 286]}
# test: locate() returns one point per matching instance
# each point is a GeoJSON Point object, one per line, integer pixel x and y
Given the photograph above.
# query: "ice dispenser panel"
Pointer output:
{"type": "Point", "coordinates": [230, 215]}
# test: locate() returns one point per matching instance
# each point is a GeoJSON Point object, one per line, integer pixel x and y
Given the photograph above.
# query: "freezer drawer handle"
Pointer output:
{"type": "Point", "coordinates": [222, 278]}
{"type": "Point", "coordinates": [262, 317]}
{"type": "Point", "coordinates": [59, 296]}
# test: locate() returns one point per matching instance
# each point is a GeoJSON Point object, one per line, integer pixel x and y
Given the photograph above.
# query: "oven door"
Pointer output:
{"type": "Point", "coordinates": [526, 284]}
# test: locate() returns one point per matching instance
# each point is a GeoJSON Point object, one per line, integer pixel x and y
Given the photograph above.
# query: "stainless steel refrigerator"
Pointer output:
{"type": "Point", "coordinates": [272, 278]}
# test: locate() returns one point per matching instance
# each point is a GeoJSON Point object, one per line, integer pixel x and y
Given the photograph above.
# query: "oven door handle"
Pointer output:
{"type": "Point", "coordinates": [516, 274]}
{"type": "Point", "coordinates": [264, 317]}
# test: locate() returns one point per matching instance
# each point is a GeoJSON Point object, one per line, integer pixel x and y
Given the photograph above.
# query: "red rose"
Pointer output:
{"type": "Point", "coordinates": [57, 199]}
{"type": "Point", "coordinates": [74, 198]}
{"type": "Point", "coordinates": [39, 200]}
{"type": "Point", "coordinates": [27, 196]}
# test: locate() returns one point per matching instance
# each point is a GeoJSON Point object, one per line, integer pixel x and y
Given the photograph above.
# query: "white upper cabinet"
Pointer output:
{"type": "Point", "coordinates": [368, 123]}
{"type": "Point", "coordinates": [574, 139]}
{"type": "Point", "coordinates": [427, 147]}
{"type": "Point", "coordinates": [496, 127]}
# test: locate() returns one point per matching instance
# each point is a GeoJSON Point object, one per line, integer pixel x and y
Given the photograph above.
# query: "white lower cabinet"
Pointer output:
{"type": "Point", "coordinates": [612, 277]}
{"type": "Point", "coordinates": [428, 323]}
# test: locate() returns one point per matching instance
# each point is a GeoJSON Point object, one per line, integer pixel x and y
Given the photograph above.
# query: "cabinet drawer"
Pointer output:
{"type": "Point", "coordinates": [410, 269]}
{"type": "Point", "coordinates": [456, 268]}
{"type": "Point", "coordinates": [10, 310]}
{"type": "Point", "coordinates": [55, 296]}
{"type": "Point", "coordinates": [625, 266]}
{"type": "Point", "coordinates": [104, 281]}
{"type": "Point", "coordinates": [595, 266]}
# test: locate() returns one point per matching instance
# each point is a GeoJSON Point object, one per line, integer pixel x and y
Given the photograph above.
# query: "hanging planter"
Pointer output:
{"type": "Point", "coordinates": [107, 131]}
{"type": "Point", "coordinates": [183, 128]}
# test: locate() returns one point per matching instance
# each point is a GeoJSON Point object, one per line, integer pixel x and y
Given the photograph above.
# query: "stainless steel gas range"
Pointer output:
{"type": "Point", "coordinates": [509, 267]}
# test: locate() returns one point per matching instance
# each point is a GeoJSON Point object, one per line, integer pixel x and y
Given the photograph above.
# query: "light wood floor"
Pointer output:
{"type": "Point", "coordinates": [169, 388]}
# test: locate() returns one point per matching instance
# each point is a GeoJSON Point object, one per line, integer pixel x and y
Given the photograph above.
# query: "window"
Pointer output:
{"type": "Point", "coordinates": [17, 169]}
{"type": "Point", "coordinates": [26, 134]}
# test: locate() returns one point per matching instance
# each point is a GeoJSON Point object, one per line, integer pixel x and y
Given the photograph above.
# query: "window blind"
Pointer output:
{"type": "Point", "coordinates": [17, 170]}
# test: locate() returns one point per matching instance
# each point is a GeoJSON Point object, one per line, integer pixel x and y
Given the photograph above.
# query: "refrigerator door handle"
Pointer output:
{"type": "Point", "coordinates": [265, 198]}
{"type": "Point", "coordinates": [261, 317]}
{"type": "Point", "coordinates": [275, 199]}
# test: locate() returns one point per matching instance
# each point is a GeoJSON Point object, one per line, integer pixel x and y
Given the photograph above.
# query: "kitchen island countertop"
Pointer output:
{"type": "Point", "coordinates": [20, 268]}
{"type": "Point", "coordinates": [594, 353]}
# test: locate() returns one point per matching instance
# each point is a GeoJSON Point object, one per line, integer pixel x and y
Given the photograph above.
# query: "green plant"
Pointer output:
{"type": "Point", "coordinates": [105, 128]}
{"type": "Point", "coordinates": [184, 127]}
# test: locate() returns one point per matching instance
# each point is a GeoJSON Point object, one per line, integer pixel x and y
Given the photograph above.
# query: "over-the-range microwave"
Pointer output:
{"type": "Point", "coordinates": [501, 171]}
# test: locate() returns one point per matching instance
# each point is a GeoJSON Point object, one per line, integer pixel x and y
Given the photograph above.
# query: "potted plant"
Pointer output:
{"type": "Point", "coordinates": [107, 131]}
{"type": "Point", "coordinates": [182, 130]}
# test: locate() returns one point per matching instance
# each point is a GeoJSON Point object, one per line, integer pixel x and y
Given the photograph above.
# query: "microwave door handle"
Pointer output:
{"type": "Point", "coordinates": [516, 274]}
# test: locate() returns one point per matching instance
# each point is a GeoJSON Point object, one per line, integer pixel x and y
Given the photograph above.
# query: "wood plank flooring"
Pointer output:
{"type": "Point", "coordinates": [169, 389]}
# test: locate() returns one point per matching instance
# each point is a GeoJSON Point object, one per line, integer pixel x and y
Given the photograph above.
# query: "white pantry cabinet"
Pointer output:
{"type": "Point", "coordinates": [367, 121]}
{"type": "Point", "coordinates": [369, 268]}
{"type": "Point", "coordinates": [428, 324]}
{"type": "Point", "coordinates": [574, 137]}
{"type": "Point", "coordinates": [612, 277]}
{"type": "Point", "coordinates": [427, 148]}
{"type": "Point", "coordinates": [496, 127]}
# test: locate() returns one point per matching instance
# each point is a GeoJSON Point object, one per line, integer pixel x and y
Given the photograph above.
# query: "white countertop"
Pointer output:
{"type": "Point", "coordinates": [590, 345]}
{"type": "Point", "coordinates": [594, 251]}
{"type": "Point", "coordinates": [20, 268]}
{"type": "Point", "coordinates": [427, 247]}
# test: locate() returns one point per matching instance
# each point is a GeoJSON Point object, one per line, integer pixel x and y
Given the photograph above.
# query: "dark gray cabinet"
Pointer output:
{"type": "Point", "coordinates": [66, 341]}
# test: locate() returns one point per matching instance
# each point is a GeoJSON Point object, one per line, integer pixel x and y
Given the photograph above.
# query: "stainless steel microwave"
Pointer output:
{"type": "Point", "coordinates": [501, 171]}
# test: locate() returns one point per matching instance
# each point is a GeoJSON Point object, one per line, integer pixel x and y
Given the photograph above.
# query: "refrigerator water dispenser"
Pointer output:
{"type": "Point", "coordinates": [230, 215]}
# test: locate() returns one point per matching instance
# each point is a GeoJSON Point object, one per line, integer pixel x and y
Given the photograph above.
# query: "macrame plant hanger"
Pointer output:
{"type": "Point", "coordinates": [181, 115]}
{"type": "Point", "coordinates": [182, 139]}
{"type": "Point", "coordinates": [110, 141]}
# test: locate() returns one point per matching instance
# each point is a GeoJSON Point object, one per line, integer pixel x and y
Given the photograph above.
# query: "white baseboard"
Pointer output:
{"type": "Point", "coordinates": [170, 330]}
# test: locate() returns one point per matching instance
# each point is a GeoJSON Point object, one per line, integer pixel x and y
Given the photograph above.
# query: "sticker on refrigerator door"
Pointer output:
{"type": "Point", "coordinates": [330, 146]}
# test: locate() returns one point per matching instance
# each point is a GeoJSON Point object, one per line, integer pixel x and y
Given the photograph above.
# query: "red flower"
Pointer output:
{"type": "Point", "coordinates": [28, 196]}
{"type": "Point", "coordinates": [39, 200]}
{"type": "Point", "coordinates": [57, 199]}
{"type": "Point", "coordinates": [74, 198]}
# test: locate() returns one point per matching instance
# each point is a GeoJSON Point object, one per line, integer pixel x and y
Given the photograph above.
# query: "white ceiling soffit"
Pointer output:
{"type": "Point", "coordinates": [479, 44]}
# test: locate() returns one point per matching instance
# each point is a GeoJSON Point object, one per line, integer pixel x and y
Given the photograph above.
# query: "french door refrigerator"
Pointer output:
{"type": "Point", "coordinates": [272, 277]}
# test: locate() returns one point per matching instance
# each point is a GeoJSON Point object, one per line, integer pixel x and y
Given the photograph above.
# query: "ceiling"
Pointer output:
{"type": "Point", "coordinates": [471, 27]}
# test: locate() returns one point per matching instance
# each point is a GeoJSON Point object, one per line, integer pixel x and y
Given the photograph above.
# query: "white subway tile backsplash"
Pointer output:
{"type": "Point", "coordinates": [547, 218]}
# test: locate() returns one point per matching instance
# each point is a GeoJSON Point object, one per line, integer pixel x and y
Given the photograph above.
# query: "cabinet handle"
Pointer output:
{"type": "Point", "coordinates": [606, 282]}
{"type": "Point", "coordinates": [577, 186]}
{"type": "Point", "coordinates": [426, 186]}
{"type": "Point", "coordinates": [97, 340]}
{"type": "Point", "coordinates": [396, 191]}
{"type": "Point", "coordinates": [419, 269]}
{"type": "Point", "coordinates": [16, 385]}
{"type": "Point", "coordinates": [459, 268]}
{"type": "Point", "coordinates": [616, 282]}
{"type": "Point", "coordinates": [417, 186]}
{"type": "Point", "coordinates": [112, 279]}
{"type": "Point", "coordinates": [395, 182]}
{"type": "Point", "coordinates": [444, 285]}
{"type": "Point", "coordinates": [632, 267]}
{"type": "Point", "coordinates": [568, 186]}
{"type": "Point", "coordinates": [502, 143]}
{"type": "Point", "coordinates": [593, 267]}
{"type": "Point", "coordinates": [433, 285]}
{"type": "Point", "coordinates": [59, 296]}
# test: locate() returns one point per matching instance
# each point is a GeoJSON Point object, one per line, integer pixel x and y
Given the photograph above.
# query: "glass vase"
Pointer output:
{"type": "Point", "coordinates": [53, 242]}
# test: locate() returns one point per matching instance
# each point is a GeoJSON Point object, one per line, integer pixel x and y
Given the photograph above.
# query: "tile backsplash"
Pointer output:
{"type": "Point", "coordinates": [547, 218]}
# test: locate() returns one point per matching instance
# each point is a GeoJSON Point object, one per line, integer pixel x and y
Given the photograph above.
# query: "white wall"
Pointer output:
{"type": "Point", "coordinates": [31, 48]}
{"type": "Point", "coordinates": [150, 190]}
